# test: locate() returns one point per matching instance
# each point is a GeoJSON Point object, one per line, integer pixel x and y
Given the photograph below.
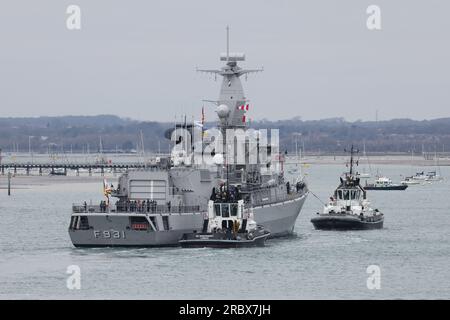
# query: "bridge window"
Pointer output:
{"type": "Point", "coordinates": [234, 209]}
{"type": "Point", "coordinates": [346, 195]}
{"type": "Point", "coordinates": [225, 210]}
{"type": "Point", "coordinates": [217, 210]}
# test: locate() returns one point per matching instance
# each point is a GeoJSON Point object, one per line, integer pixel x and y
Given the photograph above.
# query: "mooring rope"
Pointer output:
{"type": "Point", "coordinates": [317, 197]}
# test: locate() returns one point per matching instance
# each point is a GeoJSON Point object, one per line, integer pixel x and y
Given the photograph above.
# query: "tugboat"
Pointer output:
{"type": "Point", "coordinates": [228, 225]}
{"type": "Point", "coordinates": [348, 208]}
{"type": "Point", "coordinates": [384, 183]}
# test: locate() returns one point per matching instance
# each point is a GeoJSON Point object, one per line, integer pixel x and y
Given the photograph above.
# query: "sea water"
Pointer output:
{"type": "Point", "coordinates": [411, 252]}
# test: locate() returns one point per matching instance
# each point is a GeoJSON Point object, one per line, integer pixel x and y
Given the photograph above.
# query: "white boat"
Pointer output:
{"type": "Point", "coordinates": [348, 208]}
{"type": "Point", "coordinates": [433, 176]}
{"type": "Point", "coordinates": [384, 183]}
{"type": "Point", "coordinates": [410, 181]}
{"type": "Point", "coordinates": [429, 176]}
{"type": "Point", "coordinates": [421, 176]}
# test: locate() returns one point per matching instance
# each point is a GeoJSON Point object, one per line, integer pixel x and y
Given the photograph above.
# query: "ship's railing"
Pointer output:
{"type": "Point", "coordinates": [77, 208]}
{"type": "Point", "coordinates": [274, 199]}
{"type": "Point", "coordinates": [265, 196]}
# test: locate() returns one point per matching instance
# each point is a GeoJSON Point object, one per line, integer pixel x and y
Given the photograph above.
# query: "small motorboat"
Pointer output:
{"type": "Point", "coordinates": [364, 175]}
{"type": "Point", "coordinates": [384, 183]}
{"type": "Point", "coordinates": [228, 225]}
{"type": "Point", "coordinates": [58, 172]}
{"type": "Point", "coordinates": [433, 176]}
{"type": "Point", "coordinates": [421, 176]}
{"type": "Point", "coordinates": [410, 181]}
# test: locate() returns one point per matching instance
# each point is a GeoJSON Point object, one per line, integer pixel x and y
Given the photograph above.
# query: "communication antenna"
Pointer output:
{"type": "Point", "coordinates": [352, 152]}
{"type": "Point", "coordinates": [142, 142]}
{"type": "Point", "coordinates": [228, 43]}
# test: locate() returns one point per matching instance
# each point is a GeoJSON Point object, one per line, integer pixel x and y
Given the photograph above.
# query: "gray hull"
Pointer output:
{"type": "Point", "coordinates": [114, 229]}
{"type": "Point", "coordinates": [279, 218]}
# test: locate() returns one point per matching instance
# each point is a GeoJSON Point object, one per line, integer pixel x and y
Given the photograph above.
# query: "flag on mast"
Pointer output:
{"type": "Point", "coordinates": [203, 115]}
{"type": "Point", "coordinates": [106, 190]}
{"type": "Point", "coordinates": [243, 107]}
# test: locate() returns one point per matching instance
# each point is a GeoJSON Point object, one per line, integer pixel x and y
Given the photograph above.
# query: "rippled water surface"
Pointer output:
{"type": "Point", "coordinates": [412, 251]}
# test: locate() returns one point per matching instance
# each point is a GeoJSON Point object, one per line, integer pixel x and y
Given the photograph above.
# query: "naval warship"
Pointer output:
{"type": "Point", "coordinates": [157, 205]}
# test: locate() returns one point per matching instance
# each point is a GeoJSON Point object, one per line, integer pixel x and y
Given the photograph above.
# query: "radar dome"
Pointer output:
{"type": "Point", "coordinates": [223, 111]}
{"type": "Point", "coordinates": [218, 159]}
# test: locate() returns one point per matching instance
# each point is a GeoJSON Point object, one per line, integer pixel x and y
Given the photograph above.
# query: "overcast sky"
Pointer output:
{"type": "Point", "coordinates": [137, 59]}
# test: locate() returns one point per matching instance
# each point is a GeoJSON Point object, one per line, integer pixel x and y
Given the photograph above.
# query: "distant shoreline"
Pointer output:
{"type": "Point", "coordinates": [373, 160]}
{"type": "Point", "coordinates": [427, 159]}
{"type": "Point", "coordinates": [110, 134]}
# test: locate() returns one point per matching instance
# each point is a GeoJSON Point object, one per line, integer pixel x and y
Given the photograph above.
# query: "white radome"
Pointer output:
{"type": "Point", "coordinates": [218, 159]}
{"type": "Point", "coordinates": [223, 111]}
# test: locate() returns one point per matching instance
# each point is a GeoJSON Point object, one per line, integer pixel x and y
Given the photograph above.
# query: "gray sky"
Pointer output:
{"type": "Point", "coordinates": [137, 58]}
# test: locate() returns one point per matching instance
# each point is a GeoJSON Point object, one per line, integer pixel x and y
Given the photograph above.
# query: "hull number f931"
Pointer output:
{"type": "Point", "coordinates": [109, 234]}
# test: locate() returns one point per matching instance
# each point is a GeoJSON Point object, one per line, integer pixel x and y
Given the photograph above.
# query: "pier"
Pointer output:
{"type": "Point", "coordinates": [62, 168]}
